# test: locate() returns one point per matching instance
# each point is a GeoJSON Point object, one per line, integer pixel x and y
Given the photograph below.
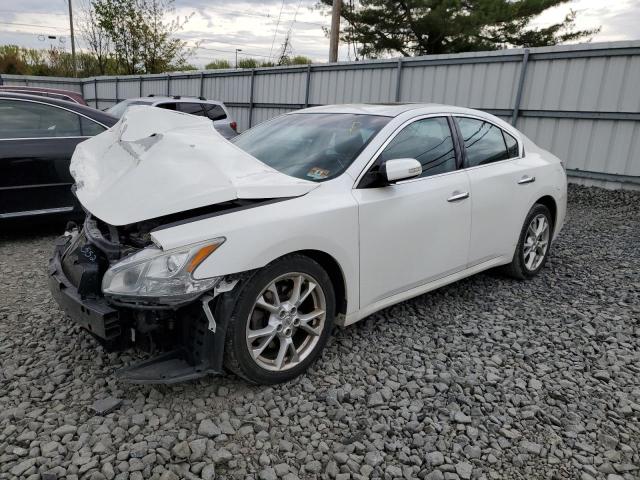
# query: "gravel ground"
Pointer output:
{"type": "Point", "coordinates": [487, 378]}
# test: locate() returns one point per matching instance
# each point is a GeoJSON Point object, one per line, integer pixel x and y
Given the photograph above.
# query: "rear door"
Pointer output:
{"type": "Point", "coordinates": [36, 144]}
{"type": "Point", "coordinates": [497, 200]}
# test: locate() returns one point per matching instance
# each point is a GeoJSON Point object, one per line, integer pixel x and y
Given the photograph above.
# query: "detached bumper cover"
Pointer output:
{"type": "Point", "coordinates": [93, 314]}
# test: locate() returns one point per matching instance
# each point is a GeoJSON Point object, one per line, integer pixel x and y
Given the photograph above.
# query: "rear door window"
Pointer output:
{"type": "Point", "coordinates": [90, 128]}
{"type": "Point", "coordinates": [483, 141]}
{"type": "Point", "coordinates": [191, 108]}
{"type": "Point", "coordinates": [214, 112]}
{"type": "Point", "coordinates": [21, 119]}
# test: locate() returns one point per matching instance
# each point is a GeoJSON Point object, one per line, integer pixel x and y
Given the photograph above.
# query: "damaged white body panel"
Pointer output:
{"type": "Point", "coordinates": [156, 162]}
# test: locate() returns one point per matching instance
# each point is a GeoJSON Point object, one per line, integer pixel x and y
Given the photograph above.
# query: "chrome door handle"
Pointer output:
{"type": "Point", "coordinates": [458, 196]}
{"type": "Point", "coordinates": [526, 179]}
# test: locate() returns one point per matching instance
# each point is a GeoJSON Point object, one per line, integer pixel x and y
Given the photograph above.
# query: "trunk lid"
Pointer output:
{"type": "Point", "coordinates": [157, 162]}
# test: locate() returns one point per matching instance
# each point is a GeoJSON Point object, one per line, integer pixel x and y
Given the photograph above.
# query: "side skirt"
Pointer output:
{"type": "Point", "coordinates": [414, 292]}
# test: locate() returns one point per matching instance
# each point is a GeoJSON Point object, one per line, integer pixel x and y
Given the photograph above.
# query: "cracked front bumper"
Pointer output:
{"type": "Point", "coordinates": [91, 313]}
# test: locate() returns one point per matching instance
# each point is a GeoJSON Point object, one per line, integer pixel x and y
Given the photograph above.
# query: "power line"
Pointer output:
{"type": "Point", "coordinates": [276, 30]}
{"type": "Point", "coordinates": [35, 25]}
{"type": "Point", "coordinates": [246, 54]}
{"type": "Point", "coordinates": [260, 15]}
{"type": "Point", "coordinates": [22, 12]}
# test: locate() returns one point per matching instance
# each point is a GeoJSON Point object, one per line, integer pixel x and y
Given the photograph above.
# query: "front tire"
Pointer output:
{"type": "Point", "coordinates": [281, 321]}
{"type": "Point", "coordinates": [533, 246]}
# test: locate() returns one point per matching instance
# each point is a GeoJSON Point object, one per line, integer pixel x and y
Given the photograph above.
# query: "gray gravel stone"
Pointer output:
{"type": "Point", "coordinates": [464, 469]}
{"type": "Point", "coordinates": [208, 429]}
{"type": "Point", "coordinates": [486, 379]}
{"type": "Point", "coordinates": [435, 458]}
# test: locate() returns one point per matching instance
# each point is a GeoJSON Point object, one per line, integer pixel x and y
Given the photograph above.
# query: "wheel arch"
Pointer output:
{"type": "Point", "coordinates": [334, 270]}
{"type": "Point", "coordinates": [549, 202]}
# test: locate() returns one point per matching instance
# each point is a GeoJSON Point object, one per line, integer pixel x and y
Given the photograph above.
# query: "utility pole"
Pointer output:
{"type": "Point", "coordinates": [335, 31]}
{"type": "Point", "coordinates": [237, 50]}
{"type": "Point", "coordinates": [73, 40]}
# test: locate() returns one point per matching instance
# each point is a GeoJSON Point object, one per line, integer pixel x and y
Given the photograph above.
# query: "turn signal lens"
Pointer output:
{"type": "Point", "coordinates": [200, 256]}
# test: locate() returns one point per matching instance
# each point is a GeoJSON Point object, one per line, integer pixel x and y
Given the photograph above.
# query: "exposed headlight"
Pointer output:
{"type": "Point", "coordinates": [153, 272]}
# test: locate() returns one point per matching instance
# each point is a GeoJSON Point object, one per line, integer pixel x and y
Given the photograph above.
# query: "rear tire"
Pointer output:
{"type": "Point", "coordinates": [533, 245]}
{"type": "Point", "coordinates": [281, 321]}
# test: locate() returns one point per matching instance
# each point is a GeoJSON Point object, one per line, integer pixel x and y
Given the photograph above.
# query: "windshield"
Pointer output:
{"type": "Point", "coordinates": [311, 146]}
{"type": "Point", "coordinates": [119, 108]}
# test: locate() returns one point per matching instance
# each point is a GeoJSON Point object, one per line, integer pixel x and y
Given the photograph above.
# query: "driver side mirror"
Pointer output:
{"type": "Point", "coordinates": [400, 169]}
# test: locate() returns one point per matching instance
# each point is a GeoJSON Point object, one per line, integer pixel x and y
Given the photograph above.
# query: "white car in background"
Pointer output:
{"type": "Point", "coordinates": [245, 254]}
{"type": "Point", "coordinates": [213, 110]}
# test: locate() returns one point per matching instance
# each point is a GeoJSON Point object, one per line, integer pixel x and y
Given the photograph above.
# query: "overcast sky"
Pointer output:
{"type": "Point", "coordinates": [258, 27]}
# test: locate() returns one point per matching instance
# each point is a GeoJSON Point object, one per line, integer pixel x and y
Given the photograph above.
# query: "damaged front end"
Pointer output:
{"type": "Point", "coordinates": [156, 169]}
{"type": "Point", "coordinates": [115, 283]}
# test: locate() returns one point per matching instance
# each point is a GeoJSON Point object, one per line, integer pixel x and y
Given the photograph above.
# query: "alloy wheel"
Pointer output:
{"type": "Point", "coordinates": [286, 321]}
{"type": "Point", "coordinates": [536, 242]}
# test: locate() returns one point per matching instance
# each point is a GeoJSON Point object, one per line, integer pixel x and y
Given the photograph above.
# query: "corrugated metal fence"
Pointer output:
{"type": "Point", "coordinates": [582, 102]}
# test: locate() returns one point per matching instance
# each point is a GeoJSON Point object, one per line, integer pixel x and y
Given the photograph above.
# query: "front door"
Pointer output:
{"type": "Point", "coordinates": [415, 231]}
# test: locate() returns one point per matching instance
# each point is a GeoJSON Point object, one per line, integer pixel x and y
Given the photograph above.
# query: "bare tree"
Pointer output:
{"type": "Point", "coordinates": [95, 37]}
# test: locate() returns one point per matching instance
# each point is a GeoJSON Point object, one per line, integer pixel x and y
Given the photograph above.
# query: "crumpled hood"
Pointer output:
{"type": "Point", "coordinates": [156, 162]}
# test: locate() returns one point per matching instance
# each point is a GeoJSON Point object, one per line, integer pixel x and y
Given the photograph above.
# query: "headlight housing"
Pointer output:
{"type": "Point", "coordinates": [164, 276]}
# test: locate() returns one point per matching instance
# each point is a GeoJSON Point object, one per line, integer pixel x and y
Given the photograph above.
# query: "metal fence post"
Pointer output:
{"type": "Point", "coordinates": [117, 81]}
{"type": "Point", "coordinates": [398, 79]}
{"type": "Point", "coordinates": [95, 90]}
{"type": "Point", "coordinates": [253, 76]}
{"type": "Point", "coordinates": [140, 86]}
{"type": "Point", "coordinates": [308, 84]}
{"type": "Point", "coordinates": [168, 85]}
{"type": "Point", "coordinates": [201, 84]}
{"type": "Point", "coordinates": [523, 73]}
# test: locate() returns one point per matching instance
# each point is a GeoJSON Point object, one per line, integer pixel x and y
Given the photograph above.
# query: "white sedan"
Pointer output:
{"type": "Point", "coordinates": [245, 254]}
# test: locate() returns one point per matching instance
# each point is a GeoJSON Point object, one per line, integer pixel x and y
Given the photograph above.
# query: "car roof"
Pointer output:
{"type": "Point", "coordinates": [176, 98]}
{"type": "Point", "coordinates": [29, 88]}
{"type": "Point", "coordinates": [90, 112]}
{"type": "Point", "coordinates": [388, 109]}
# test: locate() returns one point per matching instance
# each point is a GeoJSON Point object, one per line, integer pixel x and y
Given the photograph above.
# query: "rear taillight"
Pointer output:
{"type": "Point", "coordinates": [234, 125]}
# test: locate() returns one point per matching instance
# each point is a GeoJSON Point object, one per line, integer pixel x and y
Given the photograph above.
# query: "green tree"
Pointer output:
{"type": "Point", "coordinates": [420, 27]}
{"type": "Point", "coordinates": [248, 63]}
{"type": "Point", "coordinates": [142, 39]}
{"type": "Point", "coordinates": [12, 61]}
{"type": "Point", "coordinates": [218, 64]}
{"type": "Point", "coordinates": [299, 60]}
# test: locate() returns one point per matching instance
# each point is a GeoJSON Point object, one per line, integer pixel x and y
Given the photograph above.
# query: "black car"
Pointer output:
{"type": "Point", "coordinates": [37, 138]}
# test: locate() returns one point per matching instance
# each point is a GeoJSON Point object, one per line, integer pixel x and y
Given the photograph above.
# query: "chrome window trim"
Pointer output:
{"type": "Point", "coordinates": [54, 106]}
{"type": "Point", "coordinates": [43, 211]}
{"type": "Point", "coordinates": [38, 93]}
{"type": "Point", "coordinates": [393, 134]}
{"type": "Point", "coordinates": [42, 138]}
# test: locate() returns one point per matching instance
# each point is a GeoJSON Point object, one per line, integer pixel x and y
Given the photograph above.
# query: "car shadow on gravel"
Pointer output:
{"type": "Point", "coordinates": [33, 228]}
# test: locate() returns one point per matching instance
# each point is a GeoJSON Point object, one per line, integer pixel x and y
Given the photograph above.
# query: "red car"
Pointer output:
{"type": "Point", "coordinates": [59, 94]}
